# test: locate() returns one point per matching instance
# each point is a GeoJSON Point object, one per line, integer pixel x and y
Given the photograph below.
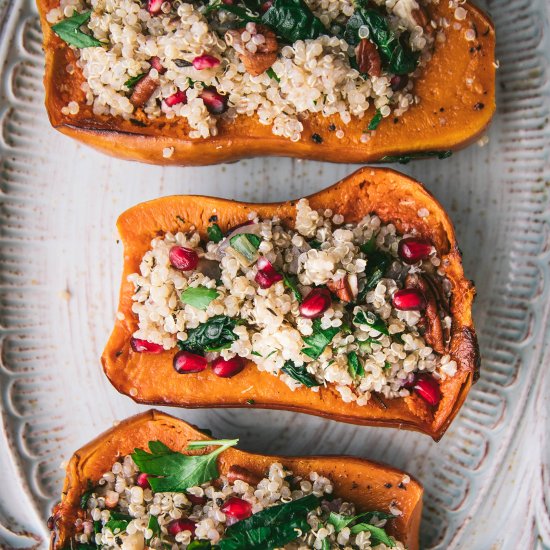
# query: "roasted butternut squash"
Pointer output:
{"type": "Point", "coordinates": [369, 485]}
{"type": "Point", "coordinates": [456, 92]}
{"type": "Point", "coordinates": [393, 197]}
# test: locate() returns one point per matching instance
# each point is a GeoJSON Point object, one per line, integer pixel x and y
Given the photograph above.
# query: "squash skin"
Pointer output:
{"type": "Point", "coordinates": [457, 92]}
{"type": "Point", "coordinates": [395, 198]}
{"type": "Point", "coordinates": [356, 480]}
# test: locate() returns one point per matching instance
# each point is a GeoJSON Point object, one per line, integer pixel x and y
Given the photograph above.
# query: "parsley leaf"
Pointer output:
{"type": "Point", "coordinates": [355, 367]}
{"type": "Point", "coordinates": [177, 471]}
{"type": "Point", "coordinates": [319, 339]}
{"type": "Point", "coordinates": [214, 335]}
{"type": "Point", "coordinates": [377, 265]}
{"type": "Point", "coordinates": [214, 233]}
{"type": "Point", "coordinates": [272, 74]}
{"type": "Point", "coordinates": [247, 245]}
{"type": "Point", "coordinates": [340, 520]}
{"type": "Point", "coordinates": [154, 526]}
{"type": "Point", "coordinates": [69, 31]}
{"type": "Point", "coordinates": [118, 522]}
{"type": "Point", "coordinates": [199, 297]}
{"type": "Point", "coordinates": [375, 120]}
{"type": "Point", "coordinates": [293, 20]}
{"type": "Point", "coordinates": [371, 320]}
{"type": "Point", "coordinates": [377, 534]}
{"type": "Point", "coordinates": [86, 495]}
{"type": "Point", "coordinates": [405, 159]}
{"type": "Point", "coordinates": [131, 82]}
{"type": "Point", "coordinates": [299, 374]}
{"type": "Point", "coordinates": [290, 283]}
{"type": "Point", "coordinates": [199, 545]}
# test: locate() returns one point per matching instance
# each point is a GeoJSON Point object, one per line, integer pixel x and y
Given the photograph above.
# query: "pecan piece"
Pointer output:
{"type": "Point", "coordinates": [421, 19]}
{"type": "Point", "coordinates": [431, 321]}
{"type": "Point", "coordinates": [346, 288]}
{"type": "Point", "coordinates": [258, 61]}
{"type": "Point", "coordinates": [368, 58]}
{"type": "Point", "coordinates": [143, 90]}
{"type": "Point", "coordinates": [238, 472]}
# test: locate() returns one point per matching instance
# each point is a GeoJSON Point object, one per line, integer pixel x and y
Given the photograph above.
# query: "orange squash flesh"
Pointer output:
{"type": "Point", "coordinates": [456, 91]}
{"type": "Point", "coordinates": [395, 198]}
{"type": "Point", "coordinates": [366, 484]}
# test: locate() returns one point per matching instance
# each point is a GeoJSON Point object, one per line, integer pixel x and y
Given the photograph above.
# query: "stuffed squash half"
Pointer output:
{"type": "Point", "coordinates": [195, 83]}
{"type": "Point", "coordinates": [351, 304]}
{"type": "Point", "coordinates": [156, 482]}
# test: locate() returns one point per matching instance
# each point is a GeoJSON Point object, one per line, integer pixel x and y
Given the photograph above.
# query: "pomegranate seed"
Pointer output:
{"type": "Point", "coordinates": [226, 368]}
{"type": "Point", "coordinates": [178, 525]}
{"type": "Point", "coordinates": [183, 258]}
{"type": "Point", "coordinates": [427, 387]}
{"type": "Point", "coordinates": [265, 6]}
{"type": "Point", "coordinates": [409, 299]}
{"type": "Point", "coordinates": [266, 275]}
{"type": "Point", "coordinates": [157, 65]}
{"type": "Point", "coordinates": [412, 250]}
{"type": "Point", "coordinates": [143, 481]}
{"type": "Point", "coordinates": [154, 6]}
{"type": "Point", "coordinates": [194, 499]}
{"type": "Point", "coordinates": [228, 2]}
{"type": "Point", "coordinates": [143, 346]}
{"type": "Point", "coordinates": [205, 62]}
{"type": "Point", "coordinates": [315, 303]}
{"type": "Point", "coordinates": [214, 101]}
{"type": "Point", "coordinates": [398, 82]}
{"type": "Point", "coordinates": [186, 362]}
{"type": "Point", "coordinates": [237, 508]}
{"type": "Point", "coordinates": [175, 99]}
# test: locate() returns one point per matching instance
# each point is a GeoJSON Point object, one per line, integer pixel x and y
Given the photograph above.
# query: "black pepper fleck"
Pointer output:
{"type": "Point", "coordinates": [402, 486]}
{"type": "Point", "coordinates": [317, 138]}
{"type": "Point", "coordinates": [137, 122]}
{"type": "Point", "coordinates": [479, 106]}
{"type": "Point", "coordinates": [395, 120]}
{"type": "Point", "coordinates": [388, 485]}
{"type": "Point", "coordinates": [442, 109]}
{"type": "Point", "coordinates": [213, 218]}
{"type": "Point", "coordinates": [332, 128]}
{"type": "Point", "coordinates": [118, 353]}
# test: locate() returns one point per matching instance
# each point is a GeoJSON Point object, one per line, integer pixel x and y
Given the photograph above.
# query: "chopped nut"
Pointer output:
{"type": "Point", "coordinates": [421, 18]}
{"type": "Point", "coordinates": [143, 90]}
{"type": "Point", "coordinates": [368, 58]}
{"type": "Point", "coordinates": [345, 288]}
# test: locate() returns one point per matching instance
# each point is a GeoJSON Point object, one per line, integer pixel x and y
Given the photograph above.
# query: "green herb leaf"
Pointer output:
{"type": "Point", "coordinates": [199, 297]}
{"type": "Point", "coordinates": [214, 335]}
{"type": "Point", "coordinates": [178, 471]}
{"type": "Point", "coordinates": [355, 367]}
{"type": "Point", "coordinates": [319, 339]}
{"type": "Point", "coordinates": [405, 159]}
{"type": "Point", "coordinates": [118, 522]}
{"type": "Point", "coordinates": [326, 544]}
{"type": "Point", "coordinates": [246, 244]}
{"type": "Point", "coordinates": [314, 244]}
{"type": "Point", "coordinates": [371, 320]}
{"type": "Point", "coordinates": [396, 56]}
{"type": "Point", "coordinates": [300, 374]}
{"type": "Point", "coordinates": [293, 20]}
{"type": "Point", "coordinates": [272, 74]}
{"type": "Point", "coordinates": [154, 526]}
{"type": "Point", "coordinates": [290, 282]}
{"type": "Point", "coordinates": [377, 534]}
{"type": "Point", "coordinates": [365, 346]}
{"type": "Point", "coordinates": [375, 120]}
{"type": "Point", "coordinates": [86, 495]}
{"type": "Point", "coordinates": [69, 31]}
{"type": "Point", "coordinates": [272, 527]}
{"type": "Point", "coordinates": [369, 247]}
{"type": "Point", "coordinates": [377, 265]}
{"type": "Point", "coordinates": [340, 521]}
{"type": "Point", "coordinates": [131, 82]}
{"type": "Point", "coordinates": [214, 233]}
{"type": "Point", "coordinates": [199, 545]}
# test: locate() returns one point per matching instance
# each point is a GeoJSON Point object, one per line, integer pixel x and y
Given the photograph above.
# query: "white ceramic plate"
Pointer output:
{"type": "Point", "coordinates": [487, 482]}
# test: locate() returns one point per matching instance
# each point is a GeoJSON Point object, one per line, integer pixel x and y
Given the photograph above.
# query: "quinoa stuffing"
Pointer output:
{"type": "Point", "coordinates": [277, 60]}
{"type": "Point", "coordinates": [131, 508]}
{"type": "Point", "coordinates": [354, 307]}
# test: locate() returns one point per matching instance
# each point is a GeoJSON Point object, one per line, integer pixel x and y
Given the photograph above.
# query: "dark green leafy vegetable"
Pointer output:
{"type": "Point", "coordinates": [199, 545]}
{"type": "Point", "coordinates": [340, 521]}
{"type": "Point", "coordinates": [69, 31]}
{"type": "Point", "coordinates": [246, 244]}
{"type": "Point", "coordinates": [396, 56]}
{"type": "Point", "coordinates": [319, 339]}
{"type": "Point", "coordinates": [326, 544]}
{"type": "Point", "coordinates": [314, 244]}
{"type": "Point", "coordinates": [214, 335]}
{"type": "Point", "coordinates": [272, 74]}
{"type": "Point", "coordinates": [355, 367]}
{"type": "Point", "coordinates": [118, 522]}
{"type": "Point", "coordinates": [214, 233]}
{"type": "Point", "coordinates": [369, 247]}
{"type": "Point", "coordinates": [405, 159]}
{"type": "Point", "coordinates": [271, 528]}
{"type": "Point", "coordinates": [131, 82]}
{"type": "Point", "coordinates": [199, 297]}
{"type": "Point", "coordinates": [375, 120]}
{"type": "Point", "coordinates": [290, 283]}
{"type": "Point", "coordinates": [371, 320]}
{"type": "Point", "coordinates": [293, 20]}
{"type": "Point", "coordinates": [377, 265]}
{"type": "Point", "coordinates": [300, 374]}
{"type": "Point", "coordinates": [177, 471]}
{"type": "Point", "coordinates": [86, 495]}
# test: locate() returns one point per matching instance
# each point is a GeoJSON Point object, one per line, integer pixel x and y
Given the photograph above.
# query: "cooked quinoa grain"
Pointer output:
{"type": "Point", "coordinates": [200, 61]}
{"type": "Point", "coordinates": [327, 303]}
